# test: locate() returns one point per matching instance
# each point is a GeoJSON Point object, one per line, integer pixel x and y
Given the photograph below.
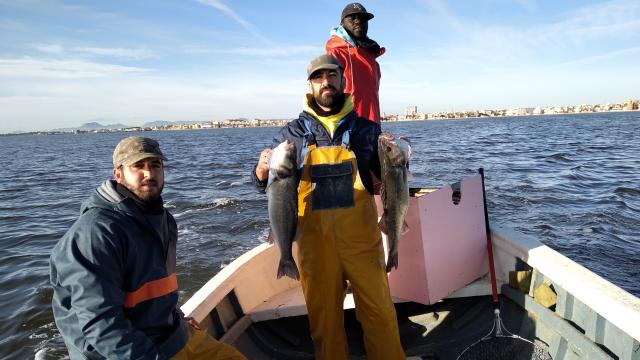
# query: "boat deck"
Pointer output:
{"type": "Point", "coordinates": [439, 331]}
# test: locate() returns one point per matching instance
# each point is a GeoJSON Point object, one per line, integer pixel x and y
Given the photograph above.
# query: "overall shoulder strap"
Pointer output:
{"type": "Point", "coordinates": [346, 136]}
{"type": "Point", "coordinates": [306, 144]}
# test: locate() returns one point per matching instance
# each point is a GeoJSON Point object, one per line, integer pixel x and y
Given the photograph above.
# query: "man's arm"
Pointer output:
{"type": "Point", "coordinates": [91, 267]}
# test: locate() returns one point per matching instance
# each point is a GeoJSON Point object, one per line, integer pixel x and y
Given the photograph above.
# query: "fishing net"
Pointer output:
{"type": "Point", "coordinates": [500, 344]}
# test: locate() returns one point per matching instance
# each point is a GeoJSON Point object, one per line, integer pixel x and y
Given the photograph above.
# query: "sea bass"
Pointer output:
{"type": "Point", "coordinates": [282, 198]}
{"type": "Point", "coordinates": [394, 155]}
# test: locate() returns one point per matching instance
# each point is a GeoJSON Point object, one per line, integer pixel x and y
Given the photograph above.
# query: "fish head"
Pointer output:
{"type": "Point", "coordinates": [392, 150]}
{"type": "Point", "coordinates": [282, 162]}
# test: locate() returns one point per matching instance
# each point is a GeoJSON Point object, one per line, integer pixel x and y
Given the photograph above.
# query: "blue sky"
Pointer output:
{"type": "Point", "coordinates": [64, 63]}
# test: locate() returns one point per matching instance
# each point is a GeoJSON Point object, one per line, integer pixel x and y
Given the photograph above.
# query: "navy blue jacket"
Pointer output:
{"type": "Point", "coordinates": [113, 276]}
{"type": "Point", "coordinates": [363, 142]}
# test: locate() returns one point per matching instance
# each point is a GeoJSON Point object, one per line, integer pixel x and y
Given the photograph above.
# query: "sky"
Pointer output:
{"type": "Point", "coordinates": [65, 63]}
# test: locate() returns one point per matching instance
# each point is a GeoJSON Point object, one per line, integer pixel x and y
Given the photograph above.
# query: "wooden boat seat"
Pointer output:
{"type": "Point", "coordinates": [287, 304]}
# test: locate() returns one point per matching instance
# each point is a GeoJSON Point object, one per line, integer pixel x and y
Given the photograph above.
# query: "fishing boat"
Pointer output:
{"type": "Point", "coordinates": [442, 292]}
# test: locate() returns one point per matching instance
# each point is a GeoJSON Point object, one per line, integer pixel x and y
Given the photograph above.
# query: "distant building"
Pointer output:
{"type": "Point", "coordinates": [585, 108]}
{"type": "Point", "coordinates": [631, 105]}
{"type": "Point", "coordinates": [411, 112]}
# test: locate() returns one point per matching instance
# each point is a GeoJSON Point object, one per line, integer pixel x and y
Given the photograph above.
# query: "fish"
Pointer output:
{"type": "Point", "coordinates": [394, 154]}
{"type": "Point", "coordinates": [282, 203]}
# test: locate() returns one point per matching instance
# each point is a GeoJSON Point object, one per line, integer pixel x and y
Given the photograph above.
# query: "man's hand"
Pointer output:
{"type": "Point", "coordinates": [191, 321]}
{"type": "Point", "coordinates": [262, 169]}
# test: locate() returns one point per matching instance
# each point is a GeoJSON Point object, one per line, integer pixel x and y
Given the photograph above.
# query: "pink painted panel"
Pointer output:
{"type": "Point", "coordinates": [445, 247]}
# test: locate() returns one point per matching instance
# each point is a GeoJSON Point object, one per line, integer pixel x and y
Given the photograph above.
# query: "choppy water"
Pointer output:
{"type": "Point", "coordinates": [571, 181]}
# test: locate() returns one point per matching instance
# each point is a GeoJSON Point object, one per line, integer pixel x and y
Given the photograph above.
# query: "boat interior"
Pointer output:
{"type": "Point", "coordinates": [442, 295]}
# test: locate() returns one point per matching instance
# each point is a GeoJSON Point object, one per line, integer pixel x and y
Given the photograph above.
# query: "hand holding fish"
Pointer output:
{"type": "Point", "coordinates": [262, 169]}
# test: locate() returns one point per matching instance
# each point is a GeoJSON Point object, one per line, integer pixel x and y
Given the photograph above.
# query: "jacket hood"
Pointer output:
{"type": "Point", "coordinates": [106, 197]}
{"type": "Point", "coordinates": [341, 38]}
{"type": "Point", "coordinates": [342, 33]}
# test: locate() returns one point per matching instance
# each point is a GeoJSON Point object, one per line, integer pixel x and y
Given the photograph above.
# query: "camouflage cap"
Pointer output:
{"type": "Point", "coordinates": [135, 148]}
{"type": "Point", "coordinates": [322, 62]}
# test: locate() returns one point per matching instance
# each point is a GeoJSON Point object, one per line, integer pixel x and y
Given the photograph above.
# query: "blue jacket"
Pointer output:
{"type": "Point", "coordinates": [363, 142]}
{"type": "Point", "coordinates": [115, 291]}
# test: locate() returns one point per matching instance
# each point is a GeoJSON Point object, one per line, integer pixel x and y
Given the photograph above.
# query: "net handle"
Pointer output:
{"type": "Point", "coordinates": [492, 268]}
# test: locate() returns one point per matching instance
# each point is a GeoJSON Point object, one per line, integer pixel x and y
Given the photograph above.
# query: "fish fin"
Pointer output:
{"type": "Point", "coordinates": [405, 228]}
{"type": "Point", "coordinates": [298, 233]}
{"type": "Point", "coordinates": [382, 224]}
{"type": "Point", "coordinates": [288, 268]}
{"type": "Point", "coordinates": [392, 262]}
{"type": "Point", "coordinates": [409, 175]}
{"type": "Point", "coordinates": [270, 238]}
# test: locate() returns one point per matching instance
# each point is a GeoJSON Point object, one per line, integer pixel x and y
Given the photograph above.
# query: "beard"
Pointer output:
{"type": "Point", "coordinates": [327, 96]}
{"type": "Point", "coordinates": [150, 194]}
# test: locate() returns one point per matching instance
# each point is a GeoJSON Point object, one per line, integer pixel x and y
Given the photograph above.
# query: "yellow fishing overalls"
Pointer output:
{"type": "Point", "coordinates": [340, 241]}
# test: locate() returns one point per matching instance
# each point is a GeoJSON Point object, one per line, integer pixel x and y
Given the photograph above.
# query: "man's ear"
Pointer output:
{"type": "Point", "coordinates": [117, 174]}
{"type": "Point", "coordinates": [309, 87]}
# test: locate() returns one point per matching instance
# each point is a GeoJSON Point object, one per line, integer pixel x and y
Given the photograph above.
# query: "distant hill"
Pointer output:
{"type": "Point", "coordinates": [157, 123]}
{"type": "Point", "coordinates": [165, 123]}
{"type": "Point", "coordinates": [97, 126]}
{"type": "Point", "coordinates": [92, 126]}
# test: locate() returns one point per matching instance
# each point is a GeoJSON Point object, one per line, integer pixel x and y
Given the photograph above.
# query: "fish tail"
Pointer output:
{"type": "Point", "coordinates": [288, 268]}
{"type": "Point", "coordinates": [392, 262]}
{"type": "Point", "coordinates": [382, 224]}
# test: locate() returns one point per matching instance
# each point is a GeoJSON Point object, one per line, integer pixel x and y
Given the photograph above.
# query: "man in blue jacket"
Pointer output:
{"type": "Point", "coordinates": [114, 271]}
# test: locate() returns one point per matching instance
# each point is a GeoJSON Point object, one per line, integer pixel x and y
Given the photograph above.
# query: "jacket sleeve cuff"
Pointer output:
{"type": "Point", "coordinates": [261, 185]}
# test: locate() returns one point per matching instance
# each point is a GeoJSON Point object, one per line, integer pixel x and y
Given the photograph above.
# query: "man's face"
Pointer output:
{"type": "Point", "coordinates": [357, 25]}
{"type": "Point", "coordinates": [144, 178]}
{"type": "Point", "coordinates": [326, 87]}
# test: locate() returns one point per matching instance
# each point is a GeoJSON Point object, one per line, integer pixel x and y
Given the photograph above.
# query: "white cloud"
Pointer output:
{"type": "Point", "coordinates": [588, 31]}
{"type": "Point", "coordinates": [62, 69]}
{"type": "Point", "coordinates": [12, 25]}
{"type": "Point", "coordinates": [529, 5]}
{"type": "Point", "coordinates": [124, 53]}
{"type": "Point", "coordinates": [39, 95]}
{"type": "Point", "coordinates": [608, 57]}
{"type": "Point", "coordinates": [121, 53]}
{"type": "Point", "coordinates": [274, 51]}
{"type": "Point", "coordinates": [50, 48]}
{"type": "Point", "coordinates": [217, 4]}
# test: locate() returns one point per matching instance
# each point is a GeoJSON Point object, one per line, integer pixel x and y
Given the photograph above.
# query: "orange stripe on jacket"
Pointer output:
{"type": "Point", "coordinates": [151, 290]}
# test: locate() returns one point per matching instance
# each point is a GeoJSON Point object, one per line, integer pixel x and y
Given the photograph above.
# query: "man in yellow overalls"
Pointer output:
{"type": "Point", "coordinates": [340, 240]}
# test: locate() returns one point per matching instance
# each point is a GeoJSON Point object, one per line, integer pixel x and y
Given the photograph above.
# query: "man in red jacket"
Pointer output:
{"type": "Point", "coordinates": [357, 53]}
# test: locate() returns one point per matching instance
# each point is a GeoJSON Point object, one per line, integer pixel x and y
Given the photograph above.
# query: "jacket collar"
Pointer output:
{"type": "Point", "coordinates": [342, 33]}
{"type": "Point", "coordinates": [368, 44]}
{"type": "Point", "coordinates": [330, 122]}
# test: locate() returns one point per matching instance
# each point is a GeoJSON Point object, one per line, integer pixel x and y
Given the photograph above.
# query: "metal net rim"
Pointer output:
{"type": "Point", "coordinates": [487, 348]}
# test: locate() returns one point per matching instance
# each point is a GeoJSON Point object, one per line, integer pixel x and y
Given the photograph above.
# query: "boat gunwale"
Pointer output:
{"type": "Point", "coordinates": [616, 305]}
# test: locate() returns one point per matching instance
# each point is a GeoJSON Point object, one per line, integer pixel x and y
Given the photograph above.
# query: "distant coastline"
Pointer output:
{"type": "Point", "coordinates": [411, 114]}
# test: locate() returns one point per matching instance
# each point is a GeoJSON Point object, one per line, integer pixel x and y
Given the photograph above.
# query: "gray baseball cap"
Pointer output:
{"type": "Point", "coordinates": [135, 148]}
{"type": "Point", "coordinates": [323, 62]}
